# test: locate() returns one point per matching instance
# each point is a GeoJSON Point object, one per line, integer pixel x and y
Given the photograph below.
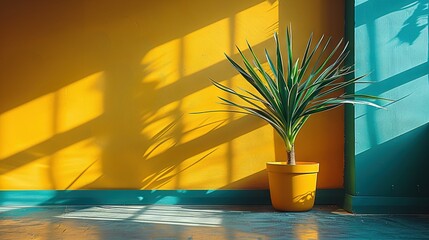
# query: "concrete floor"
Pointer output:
{"type": "Point", "coordinates": [203, 222]}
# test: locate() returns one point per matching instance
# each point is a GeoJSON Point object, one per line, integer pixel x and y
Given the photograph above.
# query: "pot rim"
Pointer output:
{"type": "Point", "coordinates": [300, 167]}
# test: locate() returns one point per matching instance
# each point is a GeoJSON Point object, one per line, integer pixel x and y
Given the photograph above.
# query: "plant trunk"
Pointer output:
{"type": "Point", "coordinates": [291, 156]}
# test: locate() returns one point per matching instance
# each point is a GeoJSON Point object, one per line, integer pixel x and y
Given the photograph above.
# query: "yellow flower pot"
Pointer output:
{"type": "Point", "coordinates": [292, 187]}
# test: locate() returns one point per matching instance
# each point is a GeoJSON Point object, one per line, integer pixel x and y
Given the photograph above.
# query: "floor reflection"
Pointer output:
{"type": "Point", "coordinates": [203, 222]}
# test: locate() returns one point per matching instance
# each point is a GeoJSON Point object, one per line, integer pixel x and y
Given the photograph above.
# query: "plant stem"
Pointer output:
{"type": "Point", "coordinates": [291, 156]}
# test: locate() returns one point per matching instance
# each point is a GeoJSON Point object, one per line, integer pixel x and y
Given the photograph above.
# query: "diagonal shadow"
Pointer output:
{"type": "Point", "coordinates": [49, 146]}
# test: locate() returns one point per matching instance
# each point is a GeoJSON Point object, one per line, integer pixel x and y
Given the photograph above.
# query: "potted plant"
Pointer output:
{"type": "Point", "coordinates": [286, 98]}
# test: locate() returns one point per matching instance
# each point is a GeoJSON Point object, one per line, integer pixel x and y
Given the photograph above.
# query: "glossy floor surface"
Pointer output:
{"type": "Point", "coordinates": [203, 222]}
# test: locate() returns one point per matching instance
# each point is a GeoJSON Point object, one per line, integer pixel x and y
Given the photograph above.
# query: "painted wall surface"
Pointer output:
{"type": "Point", "coordinates": [322, 139]}
{"type": "Point", "coordinates": [97, 94]}
{"type": "Point", "coordinates": [390, 153]}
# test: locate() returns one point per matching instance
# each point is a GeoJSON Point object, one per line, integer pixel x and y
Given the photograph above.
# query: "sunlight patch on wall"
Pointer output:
{"type": "Point", "coordinates": [80, 102]}
{"type": "Point", "coordinates": [33, 135]}
{"type": "Point", "coordinates": [70, 168]}
{"type": "Point", "coordinates": [252, 23]}
{"type": "Point", "coordinates": [212, 172]}
{"type": "Point", "coordinates": [369, 120]}
{"type": "Point", "coordinates": [30, 176]}
{"type": "Point", "coordinates": [40, 119]}
{"type": "Point", "coordinates": [205, 47]}
{"type": "Point", "coordinates": [359, 2]}
{"type": "Point", "coordinates": [161, 64]}
{"type": "Point", "coordinates": [26, 125]}
{"type": "Point", "coordinates": [406, 35]}
{"type": "Point", "coordinates": [393, 76]}
{"type": "Point", "coordinates": [392, 44]}
{"type": "Point", "coordinates": [76, 165]}
{"type": "Point", "coordinates": [195, 172]}
{"type": "Point", "coordinates": [257, 151]}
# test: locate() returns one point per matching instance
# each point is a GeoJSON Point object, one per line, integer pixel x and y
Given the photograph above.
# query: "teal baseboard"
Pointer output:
{"type": "Point", "coordinates": [145, 197]}
{"type": "Point", "coordinates": [377, 204]}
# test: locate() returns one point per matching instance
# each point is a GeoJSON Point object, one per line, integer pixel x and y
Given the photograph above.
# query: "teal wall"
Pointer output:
{"type": "Point", "coordinates": [387, 151]}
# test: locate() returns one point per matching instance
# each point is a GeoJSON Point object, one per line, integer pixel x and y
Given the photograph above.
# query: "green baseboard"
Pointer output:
{"type": "Point", "coordinates": [144, 197]}
{"type": "Point", "coordinates": [377, 204]}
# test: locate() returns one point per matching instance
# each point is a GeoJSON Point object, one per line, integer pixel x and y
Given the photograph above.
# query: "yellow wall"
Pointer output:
{"type": "Point", "coordinates": [97, 94]}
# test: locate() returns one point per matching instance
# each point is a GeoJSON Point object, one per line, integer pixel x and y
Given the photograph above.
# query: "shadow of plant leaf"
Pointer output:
{"type": "Point", "coordinates": [414, 25]}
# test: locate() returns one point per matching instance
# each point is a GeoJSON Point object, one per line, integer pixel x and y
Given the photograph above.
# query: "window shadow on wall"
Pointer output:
{"type": "Point", "coordinates": [393, 140]}
{"type": "Point", "coordinates": [81, 109]}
